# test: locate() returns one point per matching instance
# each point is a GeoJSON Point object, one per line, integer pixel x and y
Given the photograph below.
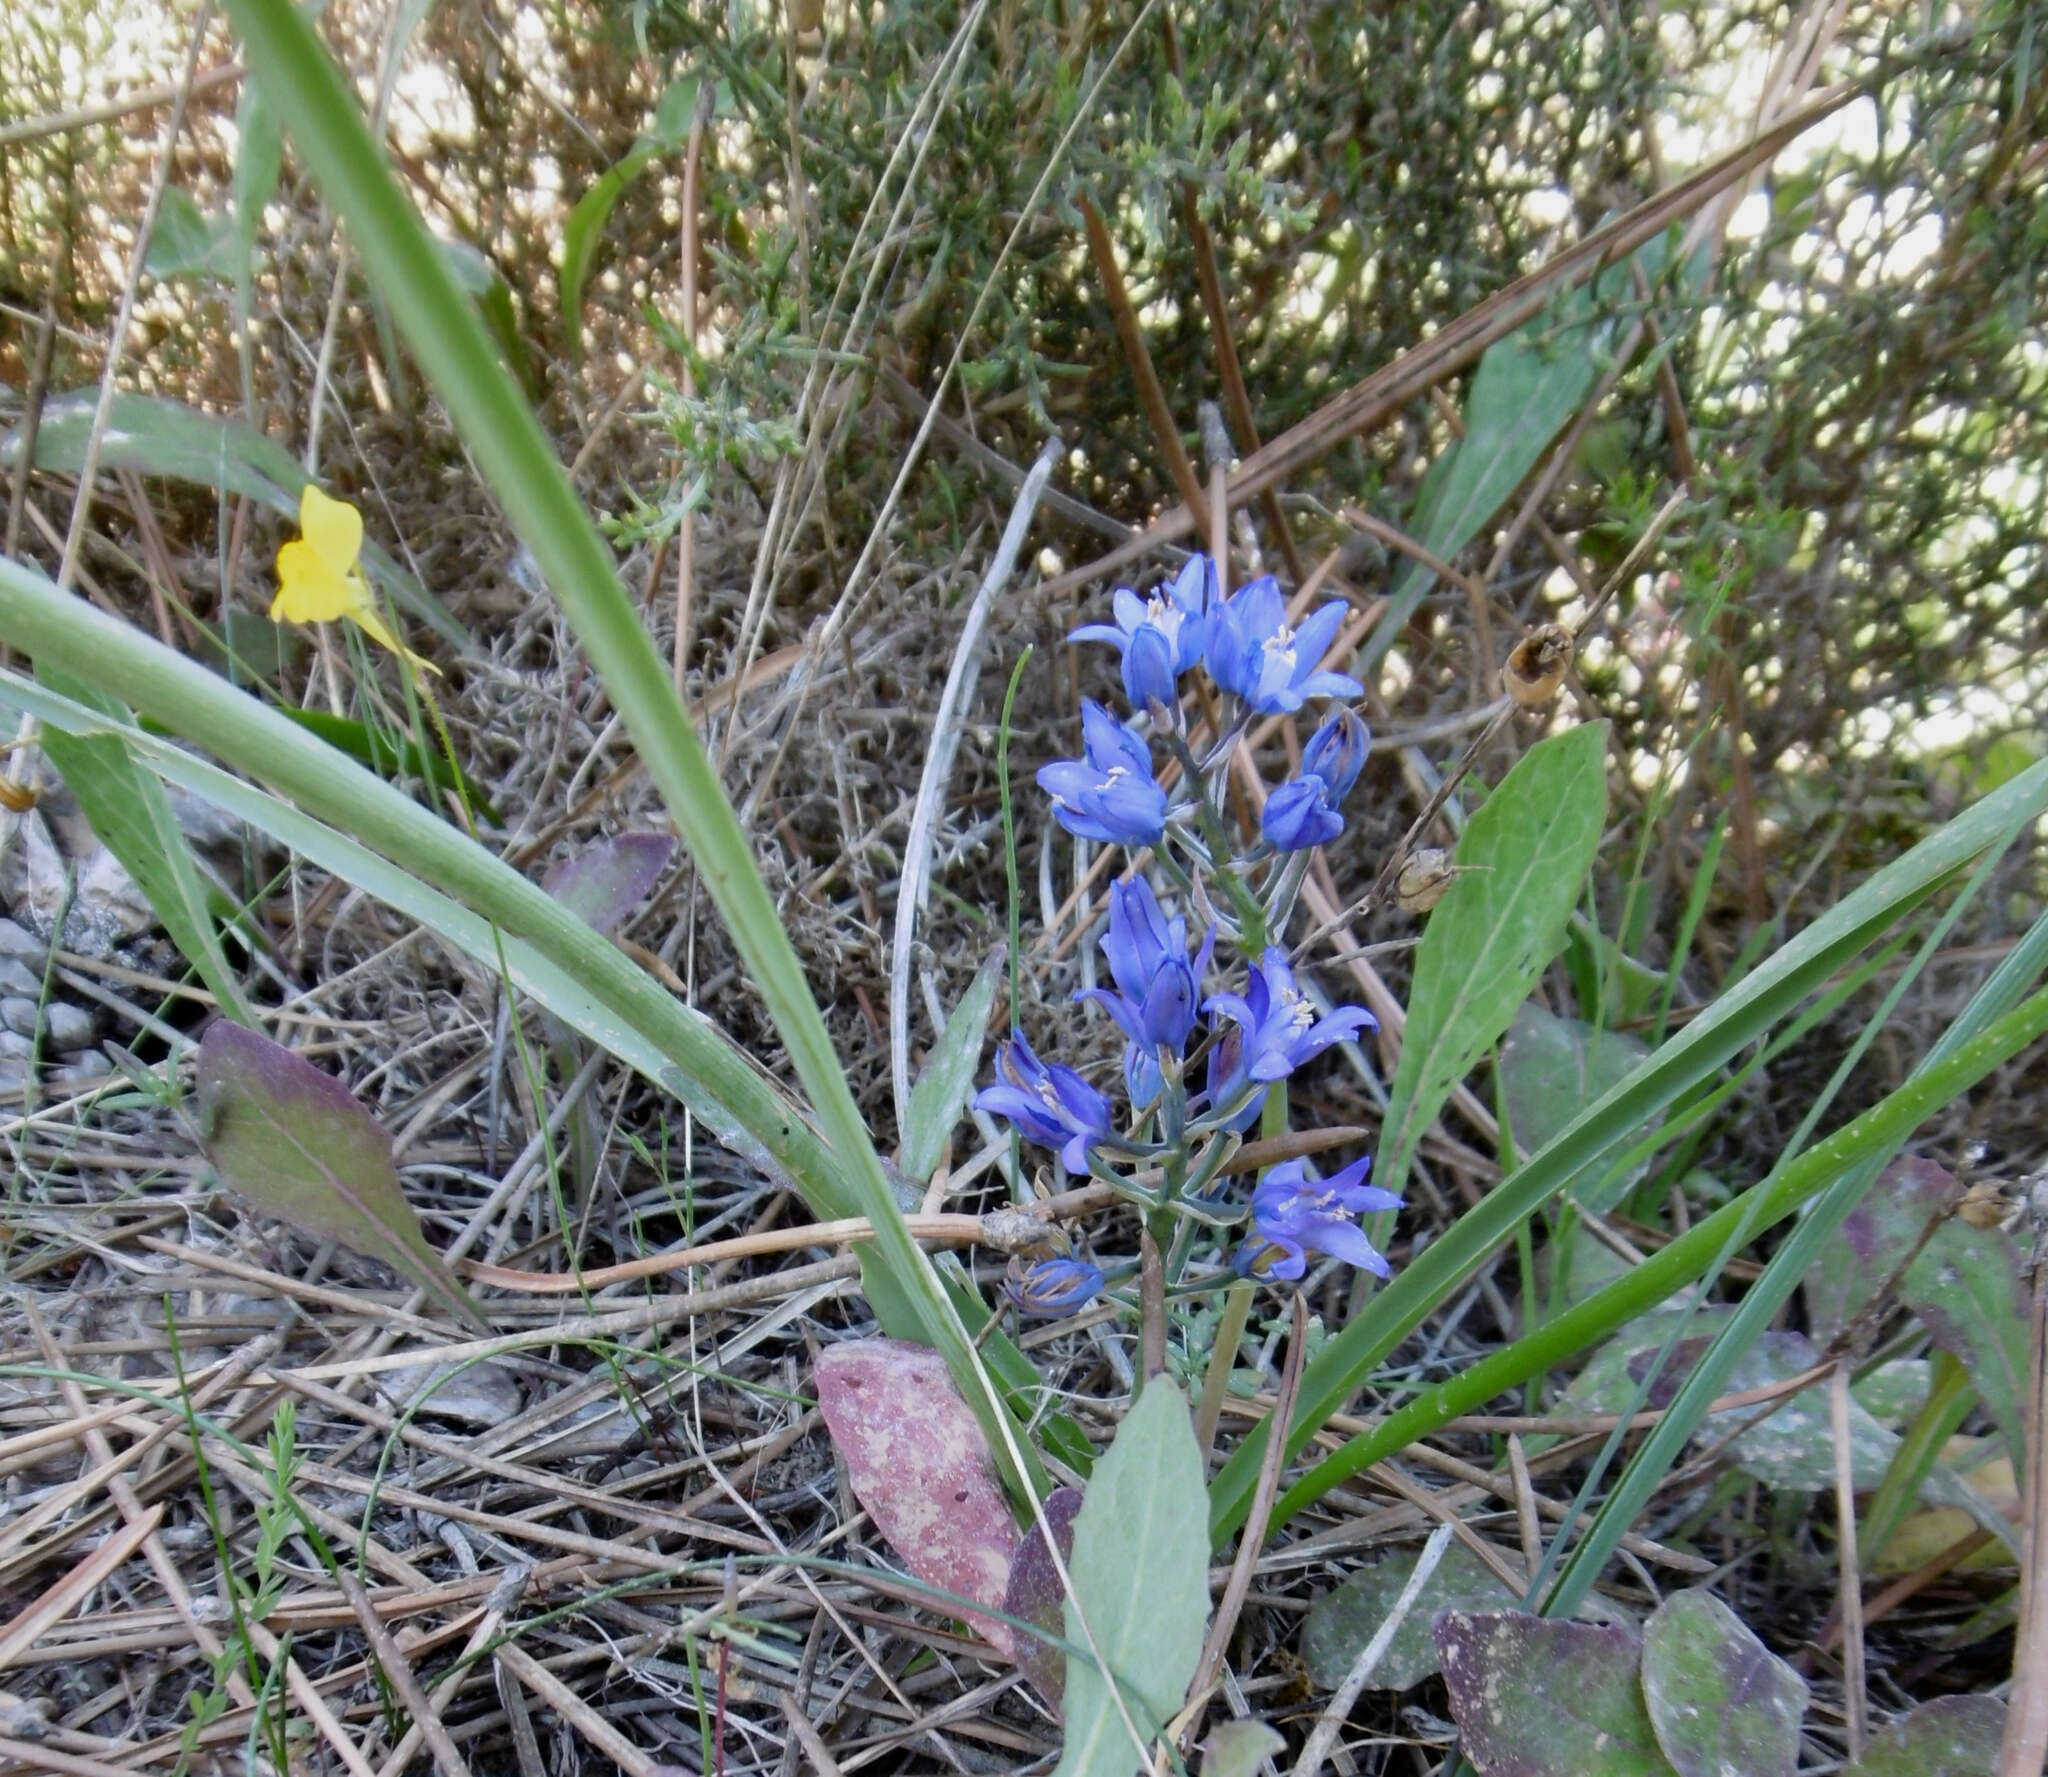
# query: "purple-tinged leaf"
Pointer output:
{"type": "Point", "coordinates": [1950, 1737]}
{"type": "Point", "coordinates": [604, 882]}
{"type": "Point", "coordinates": [921, 1466]}
{"type": "Point", "coordinates": [1882, 1232]}
{"type": "Point", "coordinates": [1968, 1287]}
{"type": "Point", "coordinates": [1343, 1621]}
{"type": "Point", "coordinates": [1036, 1596]}
{"type": "Point", "coordinates": [1536, 1698]}
{"type": "Point", "coordinates": [1718, 1698]}
{"type": "Point", "coordinates": [297, 1144]}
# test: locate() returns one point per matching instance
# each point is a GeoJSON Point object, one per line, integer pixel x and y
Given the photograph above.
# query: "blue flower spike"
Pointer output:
{"type": "Point", "coordinates": [1158, 983]}
{"type": "Point", "coordinates": [1281, 1027]}
{"type": "Point", "coordinates": [1161, 635]}
{"type": "Point", "coordinates": [1294, 1215]}
{"type": "Point", "coordinates": [1254, 654]}
{"type": "Point", "coordinates": [1109, 793]}
{"type": "Point", "coordinates": [1052, 1287]}
{"type": "Point", "coordinates": [1306, 810]}
{"type": "Point", "coordinates": [1051, 1105]}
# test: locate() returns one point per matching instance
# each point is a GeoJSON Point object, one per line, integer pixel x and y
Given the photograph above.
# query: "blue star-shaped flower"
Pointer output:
{"type": "Point", "coordinates": [1294, 1215]}
{"type": "Point", "coordinates": [1109, 793]}
{"type": "Point", "coordinates": [1255, 655]}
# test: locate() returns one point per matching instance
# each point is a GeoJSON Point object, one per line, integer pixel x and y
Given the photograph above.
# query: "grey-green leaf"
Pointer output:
{"type": "Point", "coordinates": [1141, 1576]}
{"type": "Point", "coordinates": [1537, 1698]}
{"type": "Point", "coordinates": [297, 1144]}
{"type": "Point", "coordinates": [128, 809]}
{"type": "Point", "coordinates": [1237, 1748]}
{"type": "Point", "coordinates": [1950, 1737]}
{"type": "Point", "coordinates": [942, 1090]}
{"type": "Point", "coordinates": [1523, 857]}
{"type": "Point", "coordinates": [1718, 1698]}
{"type": "Point", "coordinates": [1526, 389]}
{"type": "Point", "coordinates": [1341, 1622]}
{"type": "Point", "coordinates": [1551, 1068]}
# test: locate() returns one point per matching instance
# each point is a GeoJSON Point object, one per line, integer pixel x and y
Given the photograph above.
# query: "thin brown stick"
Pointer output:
{"type": "Point", "coordinates": [1419, 369]}
{"type": "Point", "coordinates": [398, 1669]}
{"type": "Point", "coordinates": [58, 123]}
{"type": "Point", "coordinates": [1253, 1540]}
{"type": "Point", "coordinates": [31, 426]}
{"type": "Point", "coordinates": [2026, 1722]}
{"type": "Point", "coordinates": [88, 472]}
{"type": "Point", "coordinates": [1151, 396]}
{"type": "Point", "coordinates": [686, 529]}
{"type": "Point", "coordinates": [573, 1710]}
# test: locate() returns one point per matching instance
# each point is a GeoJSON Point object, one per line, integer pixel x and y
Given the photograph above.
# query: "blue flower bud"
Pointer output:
{"type": "Point", "coordinates": [1052, 1287]}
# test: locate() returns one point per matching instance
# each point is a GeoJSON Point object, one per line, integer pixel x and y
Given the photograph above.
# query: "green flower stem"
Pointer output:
{"type": "Point", "coordinates": [1237, 1308]}
{"type": "Point", "coordinates": [1875, 1133]}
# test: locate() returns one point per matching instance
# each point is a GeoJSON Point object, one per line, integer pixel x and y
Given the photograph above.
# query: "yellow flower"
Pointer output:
{"type": "Point", "coordinates": [319, 579]}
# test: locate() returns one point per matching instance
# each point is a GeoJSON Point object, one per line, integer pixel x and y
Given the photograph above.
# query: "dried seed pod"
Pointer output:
{"type": "Point", "coordinates": [1537, 666]}
{"type": "Point", "coordinates": [1985, 1205]}
{"type": "Point", "coordinates": [1423, 879]}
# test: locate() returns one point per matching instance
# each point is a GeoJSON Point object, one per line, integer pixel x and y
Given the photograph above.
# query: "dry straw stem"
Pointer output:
{"type": "Point", "coordinates": [1464, 340]}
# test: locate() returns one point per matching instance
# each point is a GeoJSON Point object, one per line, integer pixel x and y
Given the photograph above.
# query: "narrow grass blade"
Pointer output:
{"type": "Point", "coordinates": [520, 463]}
{"type": "Point", "coordinates": [1878, 1132]}
{"type": "Point", "coordinates": [942, 1090]}
{"type": "Point", "coordinates": [1741, 1016]}
{"type": "Point", "coordinates": [129, 811]}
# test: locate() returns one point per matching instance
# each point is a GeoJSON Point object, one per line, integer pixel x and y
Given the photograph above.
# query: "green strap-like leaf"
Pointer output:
{"type": "Point", "coordinates": [1738, 1018]}
{"type": "Point", "coordinates": [129, 811]}
{"type": "Point", "coordinates": [1140, 1569]}
{"type": "Point", "coordinates": [1521, 862]}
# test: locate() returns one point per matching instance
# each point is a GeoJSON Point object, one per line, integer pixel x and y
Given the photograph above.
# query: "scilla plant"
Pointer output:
{"type": "Point", "coordinates": [1213, 1018]}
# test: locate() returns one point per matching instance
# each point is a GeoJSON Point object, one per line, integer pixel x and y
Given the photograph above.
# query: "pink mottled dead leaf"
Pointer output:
{"type": "Point", "coordinates": [921, 1467]}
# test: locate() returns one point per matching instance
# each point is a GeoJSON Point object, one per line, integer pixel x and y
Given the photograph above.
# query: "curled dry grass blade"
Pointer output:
{"type": "Point", "coordinates": [399, 255]}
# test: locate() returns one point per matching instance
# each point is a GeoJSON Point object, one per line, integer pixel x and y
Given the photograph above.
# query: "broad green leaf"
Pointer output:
{"type": "Point", "coordinates": [1536, 1698]}
{"type": "Point", "coordinates": [1551, 1068]}
{"type": "Point", "coordinates": [920, 1465]}
{"type": "Point", "coordinates": [157, 436]}
{"type": "Point", "coordinates": [1740, 1016]}
{"type": "Point", "coordinates": [1950, 1737]}
{"type": "Point", "coordinates": [942, 1090]}
{"type": "Point", "coordinates": [1528, 387]}
{"type": "Point", "coordinates": [1522, 859]}
{"type": "Point", "coordinates": [1238, 1748]}
{"type": "Point", "coordinates": [128, 809]}
{"type": "Point", "coordinates": [297, 1144]}
{"type": "Point", "coordinates": [585, 228]}
{"type": "Point", "coordinates": [1720, 1700]}
{"type": "Point", "coordinates": [1141, 1577]}
{"type": "Point", "coordinates": [1341, 1622]}
{"type": "Point", "coordinates": [1969, 1287]}
{"type": "Point", "coordinates": [189, 242]}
